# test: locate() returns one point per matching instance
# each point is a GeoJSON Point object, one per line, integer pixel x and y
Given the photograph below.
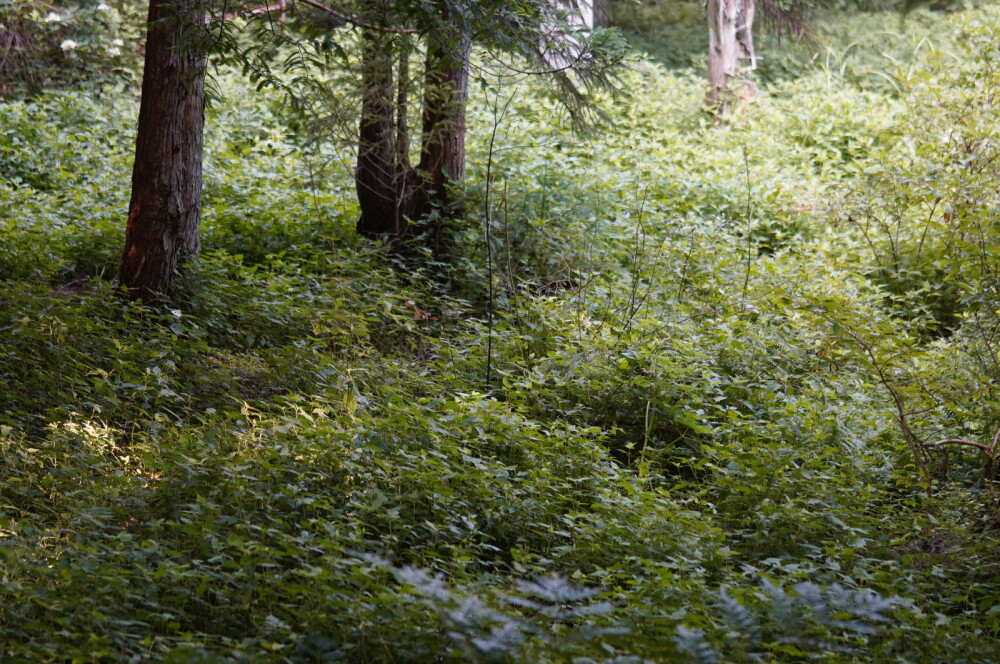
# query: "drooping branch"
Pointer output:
{"type": "Point", "coordinates": [989, 451]}
{"type": "Point", "coordinates": [960, 441]}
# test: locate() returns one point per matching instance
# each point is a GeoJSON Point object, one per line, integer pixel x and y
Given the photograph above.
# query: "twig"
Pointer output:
{"type": "Point", "coordinates": [960, 441]}
{"type": "Point", "coordinates": [911, 438]}
{"type": "Point", "coordinates": [355, 22]}
{"type": "Point", "coordinates": [640, 245]}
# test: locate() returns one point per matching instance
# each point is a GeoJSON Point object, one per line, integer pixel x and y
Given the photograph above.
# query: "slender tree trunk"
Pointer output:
{"type": "Point", "coordinates": [383, 179]}
{"type": "Point", "coordinates": [744, 36]}
{"type": "Point", "coordinates": [403, 109]}
{"type": "Point", "coordinates": [730, 40]}
{"type": "Point", "coordinates": [165, 208]}
{"type": "Point", "coordinates": [744, 33]}
{"type": "Point", "coordinates": [442, 154]}
{"type": "Point", "coordinates": [586, 10]}
{"type": "Point", "coordinates": [723, 63]}
{"type": "Point", "coordinates": [602, 13]}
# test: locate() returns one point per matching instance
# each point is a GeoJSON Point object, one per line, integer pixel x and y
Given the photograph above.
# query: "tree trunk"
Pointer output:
{"type": "Point", "coordinates": [587, 12]}
{"type": "Point", "coordinates": [744, 33]}
{"type": "Point", "coordinates": [383, 179]}
{"type": "Point", "coordinates": [165, 208]}
{"type": "Point", "coordinates": [390, 192]}
{"type": "Point", "coordinates": [442, 154]}
{"type": "Point", "coordinates": [730, 40]}
{"type": "Point", "coordinates": [602, 13]}
{"type": "Point", "coordinates": [561, 50]}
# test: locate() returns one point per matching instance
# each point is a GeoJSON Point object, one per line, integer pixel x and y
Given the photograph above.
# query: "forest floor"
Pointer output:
{"type": "Point", "coordinates": [668, 400]}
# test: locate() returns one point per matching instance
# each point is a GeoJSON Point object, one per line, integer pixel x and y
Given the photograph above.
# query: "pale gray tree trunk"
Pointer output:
{"type": "Point", "coordinates": [602, 13]}
{"type": "Point", "coordinates": [561, 50]}
{"type": "Point", "coordinates": [730, 42]}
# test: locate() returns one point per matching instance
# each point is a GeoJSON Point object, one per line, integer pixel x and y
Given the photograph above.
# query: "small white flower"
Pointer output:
{"type": "Point", "coordinates": [102, 7]}
{"type": "Point", "coordinates": [68, 45]}
{"type": "Point", "coordinates": [114, 51]}
{"type": "Point", "coordinates": [118, 42]}
{"type": "Point", "coordinates": [52, 17]}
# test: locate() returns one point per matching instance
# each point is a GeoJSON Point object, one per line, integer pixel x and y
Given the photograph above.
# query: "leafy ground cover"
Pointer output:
{"type": "Point", "coordinates": [650, 411]}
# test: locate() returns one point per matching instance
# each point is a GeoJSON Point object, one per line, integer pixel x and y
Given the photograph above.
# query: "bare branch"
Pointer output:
{"type": "Point", "coordinates": [960, 441]}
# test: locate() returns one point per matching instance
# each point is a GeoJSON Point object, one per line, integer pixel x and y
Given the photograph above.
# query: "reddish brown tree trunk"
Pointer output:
{"type": "Point", "coordinates": [165, 208]}
{"type": "Point", "coordinates": [442, 153]}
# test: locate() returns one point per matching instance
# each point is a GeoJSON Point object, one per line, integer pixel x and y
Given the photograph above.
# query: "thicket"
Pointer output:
{"type": "Point", "coordinates": [673, 398]}
{"type": "Point", "coordinates": [44, 45]}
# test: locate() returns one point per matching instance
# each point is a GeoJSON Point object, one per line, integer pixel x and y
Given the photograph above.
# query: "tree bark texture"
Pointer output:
{"type": "Point", "coordinates": [602, 13]}
{"type": "Point", "coordinates": [165, 207]}
{"type": "Point", "coordinates": [730, 40]}
{"type": "Point", "coordinates": [560, 49]}
{"type": "Point", "coordinates": [390, 192]}
{"type": "Point", "coordinates": [383, 177]}
{"type": "Point", "coordinates": [442, 152]}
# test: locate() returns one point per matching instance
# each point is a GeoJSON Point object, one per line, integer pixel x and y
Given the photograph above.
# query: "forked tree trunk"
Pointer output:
{"type": "Point", "coordinates": [165, 208]}
{"type": "Point", "coordinates": [383, 176]}
{"type": "Point", "coordinates": [390, 192]}
{"type": "Point", "coordinates": [730, 40]}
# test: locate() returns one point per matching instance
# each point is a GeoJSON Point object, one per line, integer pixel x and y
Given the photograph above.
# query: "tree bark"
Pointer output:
{"type": "Point", "coordinates": [730, 40]}
{"type": "Point", "coordinates": [383, 176]}
{"type": "Point", "coordinates": [165, 207]}
{"type": "Point", "coordinates": [390, 192]}
{"type": "Point", "coordinates": [562, 50]}
{"type": "Point", "coordinates": [602, 13]}
{"type": "Point", "coordinates": [442, 153]}
{"type": "Point", "coordinates": [587, 11]}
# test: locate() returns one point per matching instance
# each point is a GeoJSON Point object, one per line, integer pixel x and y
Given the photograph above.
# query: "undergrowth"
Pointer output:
{"type": "Point", "coordinates": [658, 421]}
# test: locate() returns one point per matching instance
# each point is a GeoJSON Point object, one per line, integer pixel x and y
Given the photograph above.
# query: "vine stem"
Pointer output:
{"type": "Point", "coordinates": [746, 279]}
{"type": "Point", "coordinates": [498, 116]}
